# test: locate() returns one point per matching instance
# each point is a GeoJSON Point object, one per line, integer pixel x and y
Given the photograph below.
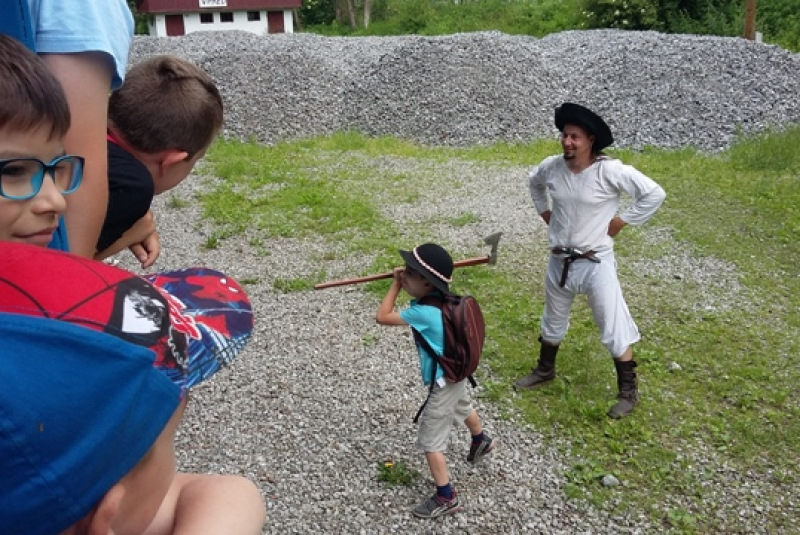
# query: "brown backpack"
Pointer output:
{"type": "Point", "coordinates": [464, 335]}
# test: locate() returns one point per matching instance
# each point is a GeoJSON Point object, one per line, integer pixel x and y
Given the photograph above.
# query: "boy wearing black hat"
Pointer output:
{"type": "Point", "coordinates": [428, 269]}
{"type": "Point", "coordinates": [577, 194]}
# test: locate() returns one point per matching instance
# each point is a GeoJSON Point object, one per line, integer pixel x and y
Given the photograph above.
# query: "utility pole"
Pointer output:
{"type": "Point", "coordinates": [750, 20]}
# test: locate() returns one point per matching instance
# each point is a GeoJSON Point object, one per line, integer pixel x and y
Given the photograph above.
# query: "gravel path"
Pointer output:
{"type": "Point", "coordinates": [323, 394]}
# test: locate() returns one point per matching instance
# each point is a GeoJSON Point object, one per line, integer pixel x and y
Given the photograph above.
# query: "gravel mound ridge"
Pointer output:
{"type": "Point", "coordinates": [479, 88]}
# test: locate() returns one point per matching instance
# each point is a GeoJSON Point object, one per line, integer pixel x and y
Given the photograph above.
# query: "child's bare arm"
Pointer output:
{"type": "Point", "coordinates": [209, 505]}
{"type": "Point", "coordinates": [387, 315]}
{"type": "Point", "coordinates": [86, 78]}
{"type": "Point", "coordinates": [138, 233]}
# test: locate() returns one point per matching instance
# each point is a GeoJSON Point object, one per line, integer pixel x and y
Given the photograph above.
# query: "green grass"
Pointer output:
{"type": "Point", "coordinates": [735, 398]}
{"type": "Point", "coordinates": [177, 203]}
{"type": "Point", "coordinates": [395, 473]}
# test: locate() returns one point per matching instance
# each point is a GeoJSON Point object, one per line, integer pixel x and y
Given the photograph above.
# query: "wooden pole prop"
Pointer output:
{"type": "Point", "coordinates": [491, 258]}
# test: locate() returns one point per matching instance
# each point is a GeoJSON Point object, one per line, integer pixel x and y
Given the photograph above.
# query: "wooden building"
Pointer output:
{"type": "Point", "coordinates": [180, 17]}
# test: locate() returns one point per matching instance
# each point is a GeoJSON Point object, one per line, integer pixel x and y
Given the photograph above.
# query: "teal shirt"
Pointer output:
{"type": "Point", "coordinates": [427, 320]}
{"type": "Point", "coordinates": [59, 241]}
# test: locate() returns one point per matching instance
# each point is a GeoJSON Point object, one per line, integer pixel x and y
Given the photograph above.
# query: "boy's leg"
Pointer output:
{"type": "Point", "coordinates": [474, 423]}
{"type": "Point", "coordinates": [445, 501]}
{"type": "Point", "coordinates": [438, 465]}
{"type": "Point", "coordinates": [435, 424]}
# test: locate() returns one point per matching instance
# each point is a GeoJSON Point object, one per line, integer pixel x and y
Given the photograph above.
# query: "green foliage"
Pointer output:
{"type": "Point", "coordinates": [408, 16]}
{"type": "Point", "coordinates": [317, 12]}
{"type": "Point", "coordinates": [260, 192]}
{"type": "Point", "coordinates": [139, 19]}
{"type": "Point", "coordinates": [298, 284]}
{"type": "Point", "coordinates": [779, 22]}
{"type": "Point", "coordinates": [708, 17]}
{"type": "Point", "coordinates": [423, 17]}
{"type": "Point", "coordinates": [621, 14]}
{"type": "Point", "coordinates": [776, 19]}
{"type": "Point", "coordinates": [396, 473]}
{"type": "Point", "coordinates": [177, 202]}
{"type": "Point", "coordinates": [211, 243]}
{"type": "Point", "coordinates": [771, 151]}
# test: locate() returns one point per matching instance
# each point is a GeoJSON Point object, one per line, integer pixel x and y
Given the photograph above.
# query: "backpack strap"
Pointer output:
{"type": "Point", "coordinates": [420, 340]}
{"type": "Point", "coordinates": [436, 300]}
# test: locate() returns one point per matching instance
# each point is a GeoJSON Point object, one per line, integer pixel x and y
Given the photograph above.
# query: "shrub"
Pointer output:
{"type": "Point", "coordinates": [621, 14]}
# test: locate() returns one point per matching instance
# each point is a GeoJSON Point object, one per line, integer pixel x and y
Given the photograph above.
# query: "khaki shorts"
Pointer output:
{"type": "Point", "coordinates": [448, 406]}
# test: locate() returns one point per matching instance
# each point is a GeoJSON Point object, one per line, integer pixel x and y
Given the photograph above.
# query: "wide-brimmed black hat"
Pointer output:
{"type": "Point", "coordinates": [432, 262]}
{"type": "Point", "coordinates": [570, 113]}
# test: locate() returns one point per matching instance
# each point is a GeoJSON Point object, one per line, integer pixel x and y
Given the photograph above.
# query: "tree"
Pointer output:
{"type": "Point", "coordinates": [366, 13]}
{"type": "Point", "coordinates": [140, 19]}
{"type": "Point", "coordinates": [622, 14]}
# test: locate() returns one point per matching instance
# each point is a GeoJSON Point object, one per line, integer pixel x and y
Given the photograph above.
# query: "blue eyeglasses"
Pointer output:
{"type": "Point", "coordinates": [22, 178]}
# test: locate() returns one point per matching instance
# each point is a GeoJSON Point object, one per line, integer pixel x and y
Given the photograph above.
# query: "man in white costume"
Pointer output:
{"type": "Point", "coordinates": [577, 194]}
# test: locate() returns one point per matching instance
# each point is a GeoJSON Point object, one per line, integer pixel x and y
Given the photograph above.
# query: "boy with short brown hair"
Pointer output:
{"type": "Point", "coordinates": [35, 174]}
{"type": "Point", "coordinates": [160, 123]}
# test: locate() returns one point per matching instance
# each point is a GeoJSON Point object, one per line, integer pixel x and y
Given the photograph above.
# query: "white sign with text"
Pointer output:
{"type": "Point", "coordinates": [213, 3]}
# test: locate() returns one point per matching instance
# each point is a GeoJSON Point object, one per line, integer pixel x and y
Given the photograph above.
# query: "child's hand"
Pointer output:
{"type": "Point", "coordinates": [387, 315]}
{"type": "Point", "coordinates": [148, 250]}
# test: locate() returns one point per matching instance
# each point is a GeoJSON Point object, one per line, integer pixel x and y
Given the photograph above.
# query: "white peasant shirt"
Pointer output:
{"type": "Point", "coordinates": [583, 204]}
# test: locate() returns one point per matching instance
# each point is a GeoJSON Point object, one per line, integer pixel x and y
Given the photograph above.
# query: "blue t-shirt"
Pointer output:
{"type": "Point", "coordinates": [73, 26]}
{"type": "Point", "coordinates": [426, 319]}
{"type": "Point", "coordinates": [60, 241]}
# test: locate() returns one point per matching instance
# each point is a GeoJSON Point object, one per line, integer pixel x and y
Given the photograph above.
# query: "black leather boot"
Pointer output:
{"type": "Point", "coordinates": [545, 370]}
{"type": "Point", "coordinates": [628, 396]}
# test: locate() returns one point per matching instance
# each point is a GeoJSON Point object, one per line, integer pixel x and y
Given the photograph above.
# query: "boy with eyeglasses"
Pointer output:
{"type": "Point", "coordinates": [35, 174]}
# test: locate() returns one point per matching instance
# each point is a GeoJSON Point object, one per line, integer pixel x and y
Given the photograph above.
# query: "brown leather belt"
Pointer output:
{"type": "Point", "coordinates": [572, 255]}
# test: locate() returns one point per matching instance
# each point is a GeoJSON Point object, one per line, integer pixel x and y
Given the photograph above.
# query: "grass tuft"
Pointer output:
{"type": "Point", "coordinates": [395, 473]}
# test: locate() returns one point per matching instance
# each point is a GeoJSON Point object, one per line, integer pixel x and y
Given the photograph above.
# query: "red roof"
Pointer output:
{"type": "Point", "coordinates": [193, 6]}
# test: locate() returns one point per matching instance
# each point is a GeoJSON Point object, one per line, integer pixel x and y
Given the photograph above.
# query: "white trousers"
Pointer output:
{"type": "Point", "coordinates": [600, 284]}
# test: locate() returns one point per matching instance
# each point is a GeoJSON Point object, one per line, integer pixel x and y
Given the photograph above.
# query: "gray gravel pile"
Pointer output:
{"type": "Point", "coordinates": [479, 88]}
